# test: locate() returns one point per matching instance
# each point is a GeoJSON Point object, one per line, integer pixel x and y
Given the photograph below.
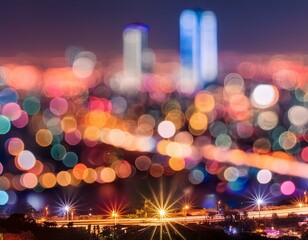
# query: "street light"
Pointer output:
{"type": "Point", "coordinates": [218, 206]}
{"type": "Point", "coordinates": [72, 214]}
{"type": "Point", "coordinates": [162, 213]}
{"type": "Point", "coordinates": [46, 211]}
{"type": "Point", "coordinates": [67, 209]}
{"type": "Point", "coordinates": [259, 202]}
{"type": "Point", "coordinates": [114, 214]}
{"type": "Point", "coordinates": [185, 209]}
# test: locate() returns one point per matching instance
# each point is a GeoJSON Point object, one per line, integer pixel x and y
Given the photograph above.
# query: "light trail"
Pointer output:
{"type": "Point", "coordinates": [188, 219]}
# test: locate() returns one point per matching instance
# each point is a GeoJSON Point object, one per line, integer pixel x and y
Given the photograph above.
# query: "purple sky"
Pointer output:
{"type": "Point", "coordinates": [48, 27]}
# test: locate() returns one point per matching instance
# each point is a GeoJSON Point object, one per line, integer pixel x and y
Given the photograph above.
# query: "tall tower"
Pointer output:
{"type": "Point", "coordinates": [198, 50]}
{"type": "Point", "coordinates": [135, 38]}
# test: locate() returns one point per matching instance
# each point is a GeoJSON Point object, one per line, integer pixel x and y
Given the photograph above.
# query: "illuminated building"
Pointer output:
{"type": "Point", "coordinates": [198, 49]}
{"type": "Point", "coordinates": [135, 38]}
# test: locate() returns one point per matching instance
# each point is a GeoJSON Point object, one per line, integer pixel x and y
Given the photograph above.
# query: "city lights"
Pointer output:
{"type": "Point", "coordinates": [158, 139]}
{"type": "Point", "coordinates": [67, 209]}
{"type": "Point", "coordinates": [114, 215]}
{"type": "Point", "coordinates": [162, 213]}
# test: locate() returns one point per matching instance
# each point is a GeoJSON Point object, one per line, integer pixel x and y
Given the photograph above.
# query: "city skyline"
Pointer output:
{"type": "Point", "coordinates": [75, 127]}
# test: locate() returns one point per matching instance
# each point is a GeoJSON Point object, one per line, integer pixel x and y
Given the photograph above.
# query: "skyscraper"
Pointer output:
{"type": "Point", "coordinates": [135, 38]}
{"type": "Point", "coordinates": [198, 50]}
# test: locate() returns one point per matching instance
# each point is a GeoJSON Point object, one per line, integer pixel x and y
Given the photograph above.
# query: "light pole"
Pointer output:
{"type": "Point", "coordinates": [185, 209]}
{"type": "Point", "coordinates": [219, 207]}
{"type": "Point", "coordinates": [67, 209]}
{"type": "Point", "coordinates": [72, 214]}
{"type": "Point", "coordinates": [46, 211]}
{"type": "Point", "coordinates": [259, 202]}
{"type": "Point", "coordinates": [114, 214]}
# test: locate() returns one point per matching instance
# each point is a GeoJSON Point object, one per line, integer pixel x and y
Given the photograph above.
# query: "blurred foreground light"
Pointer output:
{"type": "Point", "coordinates": [196, 176]}
{"type": "Point", "coordinates": [264, 96]}
{"type": "Point", "coordinates": [48, 180]}
{"type": "Point", "coordinates": [107, 175]}
{"type": "Point", "coordinates": [4, 197]}
{"type": "Point", "coordinates": [231, 174]}
{"type": "Point", "coordinates": [15, 146]}
{"type": "Point", "coordinates": [204, 101]}
{"type": "Point", "coordinates": [287, 140]}
{"type": "Point", "coordinates": [58, 106]}
{"type": "Point", "coordinates": [166, 129]}
{"type": "Point", "coordinates": [70, 159]}
{"type": "Point", "coordinates": [177, 164]}
{"type": "Point", "coordinates": [143, 163]}
{"type": "Point", "coordinates": [5, 124]}
{"type": "Point", "coordinates": [234, 84]}
{"type": "Point", "coordinates": [24, 78]}
{"type": "Point", "coordinates": [8, 95]}
{"type": "Point", "coordinates": [64, 178]}
{"type": "Point", "coordinates": [28, 180]}
{"type": "Point", "coordinates": [84, 64]}
{"type": "Point", "coordinates": [11, 111]}
{"type": "Point", "coordinates": [264, 176]}
{"type": "Point", "coordinates": [26, 160]}
{"type": "Point", "coordinates": [287, 188]}
{"type": "Point", "coordinates": [268, 120]}
{"type": "Point", "coordinates": [43, 137]}
{"type": "Point", "coordinates": [31, 105]}
{"type": "Point", "coordinates": [298, 115]}
{"type": "Point", "coordinates": [198, 123]}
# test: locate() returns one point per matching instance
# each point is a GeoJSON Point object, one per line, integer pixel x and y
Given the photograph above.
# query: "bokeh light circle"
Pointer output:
{"type": "Point", "coordinates": [298, 115]}
{"type": "Point", "coordinates": [58, 106]}
{"type": "Point", "coordinates": [231, 174]}
{"type": "Point", "coordinates": [15, 146]}
{"type": "Point", "coordinates": [11, 110]}
{"type": "Point", "coordinates": [143, 163]}
{"type": "Point", "coordinates": [58, 152]}
{"type": "Point", "coordinates": [264, 96]}
{"type": "Point", "coordinates": [177, 164]}
{"type": "Point", "coordinates": [166, 129]}
{"type": "Point", "coordinates": [196, 176]}
{"type": "Point", "coordinates": [70, 159]}
{"type": "Point", "coordinates": [26, 160]}
{"type": "Point", "coordinates": [108, 175]}
{"type": "Point", "coordinates": [31, 105]}
{"type": "Point", "coordinates": [287, 188]}
{"type": "Point", "coordinates": [5, 124]}
{"type": "Point", "coordinates": [4, 197]}
{"type": "Point", "coordinates": [43, 137]}
{"type": "Point", "coordinates": [264, 176]}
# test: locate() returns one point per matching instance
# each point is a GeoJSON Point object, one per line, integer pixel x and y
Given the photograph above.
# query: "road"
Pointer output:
{"type": "Point", "coordinates": [283, 212]}
{"type": "Point", "coordinates": [264, 213]}
{"type": "Point", "coordinates": [135, 221]}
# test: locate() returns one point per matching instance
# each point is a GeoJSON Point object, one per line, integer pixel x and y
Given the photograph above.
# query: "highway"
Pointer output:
{"type": "Point", "coordinates": [135, 221]}
{"type": "Point", "coordinates": [283, 212]}
{"type": "Point", "coordinates": [263, 213]}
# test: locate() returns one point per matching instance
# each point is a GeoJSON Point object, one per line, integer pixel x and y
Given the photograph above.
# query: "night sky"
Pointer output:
{"type": "Point", "coordinates": [48, 27]}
